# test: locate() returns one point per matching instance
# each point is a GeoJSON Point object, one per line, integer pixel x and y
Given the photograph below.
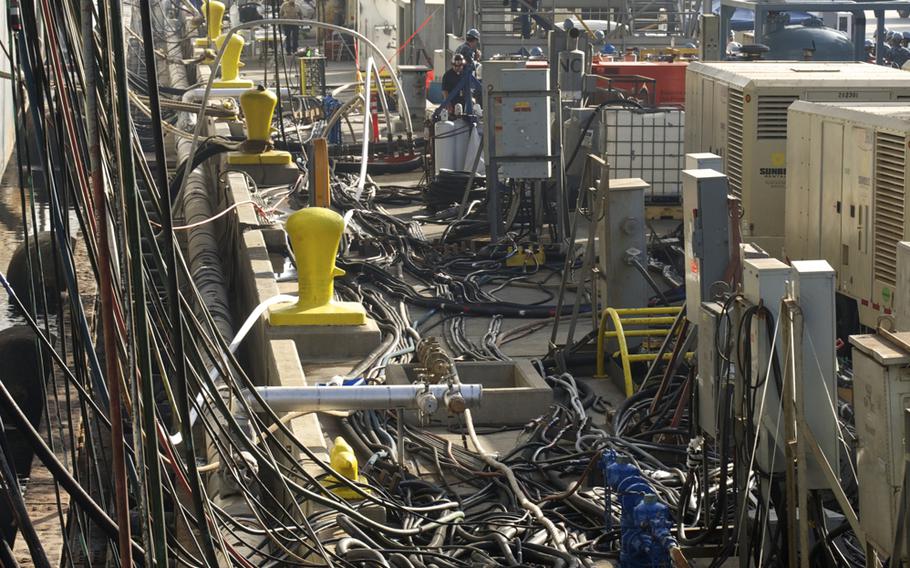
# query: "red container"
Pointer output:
{"type": "Point", "coordinates": [670, 79]}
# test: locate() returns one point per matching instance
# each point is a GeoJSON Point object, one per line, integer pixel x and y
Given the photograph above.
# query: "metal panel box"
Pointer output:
{"type": "Point", "coordinates": [525, 124]}
{"type": "Point", "coordinates": [813, 289]}
{"type": "Point", "coordinates": [765, 282]}
{"type": "Point", "coordinates": [623, 234]}
{"type": "Point", "coordinates": [707, 235]}
{"type": "Point", "coordinates": [704, 161]}
{"type": "Point", "coordinates": [881, 375]}
{"type": "Point", "coordinates": [706, 379]}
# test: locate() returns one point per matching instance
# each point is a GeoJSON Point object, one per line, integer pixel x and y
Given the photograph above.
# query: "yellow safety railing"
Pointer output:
{"type": "Point", "coordinates": [621, 318]}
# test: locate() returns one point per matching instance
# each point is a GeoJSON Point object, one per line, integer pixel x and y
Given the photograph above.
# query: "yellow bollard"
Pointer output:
{"type": "Point", "coordinates": [344, 461]}
{"type": "Point", "coordinates": [315, 233]}
{"type": "Point", "coordinates": [258, 106]}
{"type": "Point", "coordinates": [213, 12]}
{"type": "Point", "coordinates": [230, 64]}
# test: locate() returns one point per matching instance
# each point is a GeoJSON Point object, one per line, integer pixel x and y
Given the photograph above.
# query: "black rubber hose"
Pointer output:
{"type": "Point", "coordinates": [17, 505]}
{"type": "Point", "coordinates": [63, 477]}
{"type": "Point", "coordinates": [203, 153]}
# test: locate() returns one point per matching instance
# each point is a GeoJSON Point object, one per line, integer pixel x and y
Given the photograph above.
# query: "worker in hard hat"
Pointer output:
{"type": "Point", "coordinates": [290, 10]}
{"type": "Point", "coordinates": [886, 47]}
{"type": "Point", "coordinates": [899, 53]}
{"type": "Point", "coordinates": [450, 81]}
{"type": "Point", "coordinates": [469, 49]}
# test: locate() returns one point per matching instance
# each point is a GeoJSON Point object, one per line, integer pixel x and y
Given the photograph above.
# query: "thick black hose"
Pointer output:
{"type": "Point", "coordinates": [208, 150]}
{"type": "Point", "coordinates": [63, 477]}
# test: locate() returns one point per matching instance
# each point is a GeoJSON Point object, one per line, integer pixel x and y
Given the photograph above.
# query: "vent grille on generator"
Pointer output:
{"type": "Point", "coordinates": [890, 159]}
{"type": "Point", "coordinates": [772, 116]}
{"type": "Point", "coordinates": [734, 163]}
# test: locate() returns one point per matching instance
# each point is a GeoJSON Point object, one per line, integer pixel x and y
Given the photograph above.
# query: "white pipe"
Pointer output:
{"type": "Point", "coordinates": [369, 397]}
{"type": "Point", "coordinates": [367, 119]}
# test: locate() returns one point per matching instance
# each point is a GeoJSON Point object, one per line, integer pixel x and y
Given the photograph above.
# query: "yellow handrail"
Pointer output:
{"type": "Point", "coordinates": [639, 316]}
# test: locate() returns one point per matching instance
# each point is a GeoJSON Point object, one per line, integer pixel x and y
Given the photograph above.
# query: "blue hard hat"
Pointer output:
{"type": "Point", "coordinates": [472, 34]}
{"type": "Point", "coordinates": [608, 48]}
{"type": "Point", "coordinates": [536, 52]}
{"type": "Point", "coordinates": [869, 43]}
{"type": "Point", "coordinates": [906, 35]}
{"type": "Point", "coordinates": [689, 45]}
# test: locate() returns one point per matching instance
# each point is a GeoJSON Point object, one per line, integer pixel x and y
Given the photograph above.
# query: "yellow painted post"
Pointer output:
{"type": "Point", "coordinates": [258, 106]}
{"type": "Point", "coordinates": [213, 12]}
{"type": "Point", "coordinates": [315, 233]}
{"type": "Point", "coordinates": [230, 64]}
{"type": "Point", "coordinates": [344, 461]}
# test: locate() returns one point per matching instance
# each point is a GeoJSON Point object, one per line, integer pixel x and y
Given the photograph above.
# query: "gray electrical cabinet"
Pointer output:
{"type": "Point", "coordinates": [765, 282]}
{"type": "Point", "coordinates": [622, 238]}
{"type": "Point", "coordinates": [525, 117]}
{"type": "Point", "coordinates": [813, 289]}
{"type": "Point", "coordinates": [704, 161]}
{"type": "Point", "coordinates": [881, 392]}
{"type": "Point", "coordinates": [711, 44]}
{"type": "Point", "coordinates": [707, 235]}
{"type": "Point", "coordinates": [902, 296]}
{"type": "Point", "coordinates": [709, 313]}
{"type": "Point", "coordinates": [493, 80]}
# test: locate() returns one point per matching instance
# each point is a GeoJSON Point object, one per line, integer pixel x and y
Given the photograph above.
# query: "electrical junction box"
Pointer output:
{"type": "Point", "coordinates": [711, 44]}
{"type": "Point", "coordinates": [622, 237]}
{"type": "Point", "coordinates": [881, 393]}
{"type": "Point", "coordinates": [525, 124]}
{"type": "Point", "coordinates": [765, 282]}
{"type": "Point", "coordinates": [902, 298]}
{"type": "Point", "coordinates": [738, 110]}
{"type": "Point", "coordinates": [708, 364]}
{"type": "Point", "coordinates": [846, 200]}
{"type": "Point", "coordinates": [813, 289]}
{"type": "Point", "coordinates": [582, 130]}
{"type": "Point", "coordinates": [706, 228]}
{"type": "Point", "coordinates": [704, 161]}
{"type": "Point", "coordinates": [493, 79]}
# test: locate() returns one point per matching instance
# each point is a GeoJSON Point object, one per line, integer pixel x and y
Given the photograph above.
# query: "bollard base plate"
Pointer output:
{"type": "Point", "coordinates": [331, 483]}
{"type": "Point", "coordinates": [270, 158]}
{"type": "Point", "coordinates": [233, 84]}
{"type": "Point", "coordinates": [334, 313]}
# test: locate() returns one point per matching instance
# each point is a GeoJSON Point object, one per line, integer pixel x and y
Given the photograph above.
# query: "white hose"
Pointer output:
{"type": "Point", "coordinates": [365, 147]}
{"type": "Point", "coordinates": [238, 338]}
